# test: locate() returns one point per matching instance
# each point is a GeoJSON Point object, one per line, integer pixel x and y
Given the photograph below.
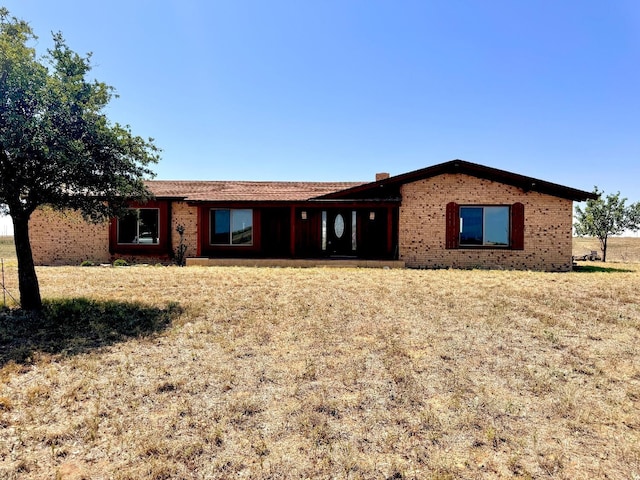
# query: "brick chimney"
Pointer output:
{"type": "Point", "coordinates": [381, 176]}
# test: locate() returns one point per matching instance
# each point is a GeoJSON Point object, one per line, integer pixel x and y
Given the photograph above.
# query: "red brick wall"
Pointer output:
{"type": "Point", "coordinates": [183, 214]}
{"type": "Point", "coordinates": [59, 238]}
{"type": "Point", "coordinates": [66, 239]}
{"type": "Point", "coordinates": [548, 223]}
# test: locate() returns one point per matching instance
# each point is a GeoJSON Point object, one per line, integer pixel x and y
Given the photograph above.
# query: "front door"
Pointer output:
{"type": "Point", "coordinates": [339, 232]}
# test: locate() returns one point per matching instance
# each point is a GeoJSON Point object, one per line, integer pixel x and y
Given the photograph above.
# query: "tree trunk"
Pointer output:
{"type": "Point", "coordinates": [27, 280]}
{"type": "Point", "coordinates": [604, 250]}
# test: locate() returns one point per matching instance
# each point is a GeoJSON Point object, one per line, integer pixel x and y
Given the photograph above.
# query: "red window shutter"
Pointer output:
{"type": "Point", "coordinates": [453, 226]}
{"type": "Point", "coordinates": [517, 226]}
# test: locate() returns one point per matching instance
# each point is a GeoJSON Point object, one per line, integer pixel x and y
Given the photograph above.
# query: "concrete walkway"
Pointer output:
{"type": "Point", "coordinates": [293, 263]}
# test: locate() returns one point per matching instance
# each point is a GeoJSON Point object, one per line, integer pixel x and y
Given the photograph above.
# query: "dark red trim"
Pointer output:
{"type": "Point", "coordinates": [390, 229]}
{"type": "Point", "coordinates": [517, 226]}
{"type": "Point", "coordinates": [164, 234]}
{"type": "Point", "coordinates": [307, 205]}
{"type": "Point", "coordinates": [452, 226]}
{"type": "Point", "coordinates": [292, 240]}
{"type": "Point", "coordinates": [205, 249]}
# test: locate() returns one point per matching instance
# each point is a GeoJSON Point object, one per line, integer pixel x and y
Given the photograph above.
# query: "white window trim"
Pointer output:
{"type": "Point", "coordinates": [138, 230]}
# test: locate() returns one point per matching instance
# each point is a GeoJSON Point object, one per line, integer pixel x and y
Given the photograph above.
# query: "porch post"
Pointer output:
{"type": "Point", "coordinates": [292, 242]}
{"type": "Point", "coordinates": [390, 228]}
{"type": "Point", "coordinates": [202, 213]}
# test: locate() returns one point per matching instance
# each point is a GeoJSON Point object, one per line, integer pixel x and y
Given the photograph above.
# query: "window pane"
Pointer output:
{"type": "Point", "coordinates": [470, 225]}
{"type": "Point", "coordinates": [139, 226]}
{"type": "Point", "coordinates": [496, 225]}
{"type": "Point", "coordinates": [128, 227]}
{"type": "Point", "coordinates": [338, 226]}
{"type": "Point", "coordinates": [354, 232]}
{"type": "Point", "coordinates": [148, 226]}
{"type": "Point", "coordinates": [242, 227]}
{"type": "Point", "coordinates": [324, 230]}
{"type": "Point", "coordinates": [220, 227]}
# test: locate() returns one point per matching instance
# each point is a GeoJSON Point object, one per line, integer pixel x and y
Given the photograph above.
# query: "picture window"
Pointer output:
{"type": "Point", "coordinates": [484, 226]}
{"type": "Point", "coordinates": [139, 226]}
{"type": "Point", "coordinates": [231, 227]}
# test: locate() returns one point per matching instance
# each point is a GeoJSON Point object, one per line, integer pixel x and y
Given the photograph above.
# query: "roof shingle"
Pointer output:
{"type": "Point", "coordinates": [234, 191]}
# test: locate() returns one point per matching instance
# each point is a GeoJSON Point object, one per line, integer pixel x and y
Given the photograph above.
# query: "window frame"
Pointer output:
{"type": "Point", "coordinates": [158, 228]}
{"type": "Point", "coordinates": [161, 249]}
{"type": "Point", "coordinates": [485, 243]}
{"type": "Point", "coordinates": [516, 227]}
{"type": "Point", "coordinates": [230, 243]}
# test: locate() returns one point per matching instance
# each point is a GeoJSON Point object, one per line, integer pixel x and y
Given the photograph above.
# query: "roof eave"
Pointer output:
{"type": "Point", "coordinates": [527, 184]}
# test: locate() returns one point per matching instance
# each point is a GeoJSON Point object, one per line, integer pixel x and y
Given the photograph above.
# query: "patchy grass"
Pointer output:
{"type": "Point", "coordinates": [332, 373]}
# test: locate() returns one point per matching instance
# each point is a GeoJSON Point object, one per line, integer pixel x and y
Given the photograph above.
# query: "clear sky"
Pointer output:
{"type": "Point", "coordinates": [341, 89]}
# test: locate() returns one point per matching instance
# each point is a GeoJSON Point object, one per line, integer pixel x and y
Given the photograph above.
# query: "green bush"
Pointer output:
{"type": "Point", "coordinates": [120, 262]}
{"type": "Point", "coordinates": [87, 263]}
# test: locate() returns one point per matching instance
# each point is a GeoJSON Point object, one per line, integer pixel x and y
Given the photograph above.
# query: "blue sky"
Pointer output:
{"type": "Point", "coordinates": [342, 89]}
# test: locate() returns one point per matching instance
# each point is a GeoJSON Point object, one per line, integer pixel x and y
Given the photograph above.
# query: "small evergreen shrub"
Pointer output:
{"type": "Point", "coordinates": [120, 262]}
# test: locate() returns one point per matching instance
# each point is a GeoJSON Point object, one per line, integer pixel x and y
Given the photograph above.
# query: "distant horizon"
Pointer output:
{"type": "Point", "coordinates": [6, 229]}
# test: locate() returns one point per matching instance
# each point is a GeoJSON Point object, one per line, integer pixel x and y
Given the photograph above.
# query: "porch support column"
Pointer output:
{"type": "Point", "coordinates": [390, 228]}
{"type": "Point", "coordinates": [170, 229]}
{"type": "Point", "coordinates": [292, 242]}
{"type": "Point", "coordinates": [202, 234]}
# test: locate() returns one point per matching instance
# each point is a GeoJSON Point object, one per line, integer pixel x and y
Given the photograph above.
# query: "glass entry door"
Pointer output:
{"type": "Point", "coordinates": [339, 232]}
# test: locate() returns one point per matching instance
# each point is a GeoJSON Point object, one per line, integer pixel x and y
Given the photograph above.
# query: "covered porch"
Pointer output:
{"type": "Point", "coordinates": [273, 233]}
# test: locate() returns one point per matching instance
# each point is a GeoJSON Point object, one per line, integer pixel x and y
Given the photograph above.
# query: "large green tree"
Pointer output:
{"type": "Point", "coordinates": [57, 146]}
{"type": "Point", "coordinates": [604, 217]}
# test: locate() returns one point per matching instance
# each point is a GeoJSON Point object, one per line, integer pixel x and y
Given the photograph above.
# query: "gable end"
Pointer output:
{"type": "Point", "coordinates": [392, 185]}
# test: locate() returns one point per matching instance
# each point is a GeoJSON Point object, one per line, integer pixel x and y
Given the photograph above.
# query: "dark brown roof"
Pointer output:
{"type": "Point", "coordinates": [392, 184]}
{"type": "Point", "coordinates": [247, 191]}
{"type": "Point", "coordinates": [242, 191]}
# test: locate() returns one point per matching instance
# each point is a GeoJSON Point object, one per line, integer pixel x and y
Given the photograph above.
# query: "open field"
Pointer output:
{"type": "Point", "coordinates": [7, 249]}
{"type": "Point", "coordinates": [323, 373]}
{"type": "Point", "coordinates": [619, 249]}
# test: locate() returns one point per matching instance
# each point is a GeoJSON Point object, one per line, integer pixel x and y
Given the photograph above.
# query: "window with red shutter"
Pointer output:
{"type": "Point", "coordinates": [485, 226]}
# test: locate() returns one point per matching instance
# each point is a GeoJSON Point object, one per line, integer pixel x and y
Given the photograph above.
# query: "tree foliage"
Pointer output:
{"type": "Point", "coordinates": [607, 216]}
{"type": "Point", "coordinates": [57, 147]}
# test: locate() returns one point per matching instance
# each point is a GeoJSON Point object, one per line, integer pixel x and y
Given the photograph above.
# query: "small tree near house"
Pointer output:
{"type": "Point", "coordinates": [57, 146]}
{"type": "Point", "coordinates": [605, 217]}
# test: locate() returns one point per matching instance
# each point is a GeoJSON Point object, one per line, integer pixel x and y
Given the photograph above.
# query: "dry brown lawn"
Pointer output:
{"type": "Point", "coordinates": [336, 373]}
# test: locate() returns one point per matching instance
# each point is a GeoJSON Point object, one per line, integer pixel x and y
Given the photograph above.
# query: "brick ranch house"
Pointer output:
{"type": "Point", "coordinates": [456, 214]}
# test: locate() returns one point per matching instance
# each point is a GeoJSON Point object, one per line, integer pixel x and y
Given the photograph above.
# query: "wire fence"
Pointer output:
{"type": "Point", "coordinates": [5, 291]}
{"type": "Point", "coordinates": [7, 259]}
{"type": "Point", "coordinates": [6, 227]}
